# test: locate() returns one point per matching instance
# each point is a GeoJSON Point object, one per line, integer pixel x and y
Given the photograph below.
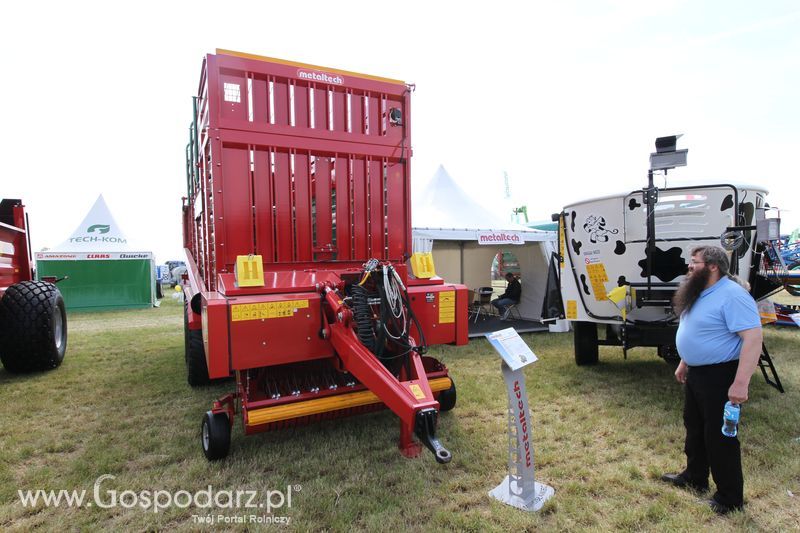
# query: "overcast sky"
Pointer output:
{"type": "Point", "coordinates": [566, 97]}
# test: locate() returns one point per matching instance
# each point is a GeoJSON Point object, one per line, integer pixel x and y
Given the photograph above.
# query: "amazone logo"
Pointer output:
{"type": "Point", "coordinates": [99, 228]}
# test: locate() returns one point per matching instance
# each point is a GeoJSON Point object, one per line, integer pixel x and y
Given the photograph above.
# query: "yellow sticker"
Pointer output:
{"type": "Point", "coordinates": [572, 309]}
{"type": "Point", "coordinates": [265, 310]}
{"type": "Point", "coordinates": [417, 391]}
{"type": "Point", "coordinates": [563, 237]}
{"type": "Point", "coordinates": [598, 277]}
{"type": "Point", "coordinates": [447, 307]}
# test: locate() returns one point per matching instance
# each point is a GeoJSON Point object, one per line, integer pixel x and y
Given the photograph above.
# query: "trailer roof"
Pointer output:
{"type": "Point", "coordinates": [702, 183]}
{"type": "Point", "coordinates": [307, 65]}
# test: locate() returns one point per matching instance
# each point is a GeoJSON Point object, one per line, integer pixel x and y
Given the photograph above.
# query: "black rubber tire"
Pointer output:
{"type": "Point", "coordinates": [447, 398]}
{"type": "Point", "coordinates": [215, 435]}
{"type": "Point", "coordinates": [669, 354]}
{"type": "Point", "coordinates": [587, 351]}
{"type": "Point", "coordinates": [33, 327]}
{"type": "Point", "coordinates": [194, 355]}
{"type": "Point", "coordinates": [794, 290]}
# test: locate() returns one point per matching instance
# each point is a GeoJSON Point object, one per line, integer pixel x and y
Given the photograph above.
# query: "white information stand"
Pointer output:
{"type": "Point", "coordinates": [519, 488]}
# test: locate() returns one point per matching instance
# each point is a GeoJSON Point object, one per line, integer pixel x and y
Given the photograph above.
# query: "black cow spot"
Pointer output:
{"type": "Point", "coordinates": [576, 245]}
{"type": "Point", "coordinates": [572, 222]}
{"type": "Point", "coordinates": [633, 204]}
{"type": "Point", "coordinates": [585, 287]}
{"type": "Point", "coordinates": [746, 211]}
{"type": "Point", "coordinates": [727, 203]}
{"type": "Point", "coordinates": [666, 265]}
{"type": "Point", "coordinates": [620, 248]}
{"type": "Point", "coordinates": [621, 281]}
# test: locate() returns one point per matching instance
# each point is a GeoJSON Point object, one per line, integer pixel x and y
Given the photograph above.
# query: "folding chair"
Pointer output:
{"type": "Point", "coordinates": [484, 304]}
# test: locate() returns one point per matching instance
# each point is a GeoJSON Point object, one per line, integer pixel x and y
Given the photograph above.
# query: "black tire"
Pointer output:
{"type": "Point", "coordinates": [215, 435]}
{"type": "Point", "coordinates": [587, 351]}
{"type": "Point", "coordinates": [194, 355]}
{"type": "Point", "coordinates": [447, 398]}
{"type": "Point", "coordinates": [33, 327]}
{"type": "Point", "coordinates": [794, 290]}
{"type": "Point", "coordinates": [669, 354]}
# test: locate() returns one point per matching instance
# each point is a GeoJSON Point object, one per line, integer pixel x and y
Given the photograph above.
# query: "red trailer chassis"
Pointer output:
{"type": "Point", "coordinates": [307, 168]}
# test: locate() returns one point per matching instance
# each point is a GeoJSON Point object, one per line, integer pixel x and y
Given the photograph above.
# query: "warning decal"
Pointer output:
{"type": "Point", "coordinates": [447, 307]}
{"type": "Point", "coordinates": [572, 309]}
{"type": "Point", "coordinates": [598, 277]}
{"type": "Point", "coordinates": [241, 312]}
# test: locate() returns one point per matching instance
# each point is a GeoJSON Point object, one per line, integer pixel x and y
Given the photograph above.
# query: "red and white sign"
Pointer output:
{"type": "Point", "coordinates": [500, 237]}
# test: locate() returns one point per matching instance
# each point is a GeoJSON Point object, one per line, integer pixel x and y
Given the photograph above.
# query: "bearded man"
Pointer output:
{"type": "Point", "coordinates": [719, 342]}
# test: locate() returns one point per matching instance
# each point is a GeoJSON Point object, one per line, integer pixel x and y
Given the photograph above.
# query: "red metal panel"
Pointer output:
{"type": "Point", "coordinates": [215, 334]}
{"type": "Point", "coordinates": [302, 202]}
{"type": "Point", "coordinates": [396, 214]}
{"type": "Point", "coordinates": [260, 99]}
{"type": "Point", "coordinates": [232, 90]}
{"type": "Point", "coordinates": [342, 186]}
{"type": "Point", "coordinates": [302, 109]}
{"type": "Point", "coordinates": [360, 223]}
{"type": "Point", "coordinates": [339, 111]}
{"type": "Point", "coordinates": [394, 132]}
{"type": "Point", "coordinates": [320, 107]}
{"type": "Point", "coordinates": [280, 95]}
{"type": "Point", "coordinates": [262, 187]}
{"type": "Point", "coordinates": [322, 198]}
{"type": "Point", "coordinates": [374, 115]}
{"type": "Point", "coordinates": [238, 219]}
{"type": "Point", "coordinates": [450, 328]}
{"type": "Point", "coordinates": [357, 113]}
{"type": "Point", "coordinates": [276, 339]}
{"type": "Point", "coordinates": [376, 217]}
{"type": "Point", "coordinates": [283, 206]}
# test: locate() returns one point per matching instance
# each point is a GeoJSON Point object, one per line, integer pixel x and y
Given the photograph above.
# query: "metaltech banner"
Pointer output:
{"type": "Point", "coordinates": [500, 237]}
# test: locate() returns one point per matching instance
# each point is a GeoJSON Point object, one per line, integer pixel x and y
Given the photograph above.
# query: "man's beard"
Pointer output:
{"type": "Point", "coordinates": [689, 290]}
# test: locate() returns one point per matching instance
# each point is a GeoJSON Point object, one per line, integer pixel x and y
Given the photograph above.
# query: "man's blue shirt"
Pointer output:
{"type": "Point", "coordinates": [707, 334]}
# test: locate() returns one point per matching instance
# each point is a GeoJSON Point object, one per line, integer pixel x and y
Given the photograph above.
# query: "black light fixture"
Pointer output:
{"type": "Point", "coordinates": [667, 155]}
{"type": "Point", "coordinates": [395, 116]}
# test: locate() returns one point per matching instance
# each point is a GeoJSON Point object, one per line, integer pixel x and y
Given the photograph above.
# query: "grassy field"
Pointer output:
{"type": "Point", "coordinates": [120, 405]}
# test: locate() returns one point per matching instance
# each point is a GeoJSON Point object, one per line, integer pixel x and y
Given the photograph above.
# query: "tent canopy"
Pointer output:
{"type": "Point", "coordinates": [445, 211]}
{"type": "Point", "coordinates": [97, 266]}
{"type": "Point", "coordinates": [452, 225]}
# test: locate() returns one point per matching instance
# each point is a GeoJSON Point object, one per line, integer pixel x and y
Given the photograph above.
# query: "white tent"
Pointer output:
{"type": "Point", "coordinates": [100, 269]}
{"type": "Point", "coordinates": [465, 236]}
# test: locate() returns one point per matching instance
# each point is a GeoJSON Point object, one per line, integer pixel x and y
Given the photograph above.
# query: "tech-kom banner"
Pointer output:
{"type": "Point", "coordinates": [499, 237]}
{"type": "Point", "coordinates": [82, 256]}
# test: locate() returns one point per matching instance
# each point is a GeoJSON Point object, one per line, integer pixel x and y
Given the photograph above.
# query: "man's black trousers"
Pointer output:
{"type": "Point", "coordinates": [706, 447]}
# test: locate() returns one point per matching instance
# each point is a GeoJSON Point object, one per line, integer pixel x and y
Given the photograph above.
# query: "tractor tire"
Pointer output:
{"type": "Point", "coordinates": [215, 435]}
{"type": "Point", "coordinates": [587, 350]}
{"type": "Point", "coordinates": [794, 290]}
{"type": "Point", "coordinates": [669, 354]}
{"type": "Point", "coordinates": [33, 327]}
{"type": "Point", "coordinates": [447, 398]}
{"type": "Point", "coordinates": [194, 355]}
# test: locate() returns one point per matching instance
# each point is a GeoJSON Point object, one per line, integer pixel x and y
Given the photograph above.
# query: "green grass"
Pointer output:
{"type": "Point", "coordinates": [120, 405]}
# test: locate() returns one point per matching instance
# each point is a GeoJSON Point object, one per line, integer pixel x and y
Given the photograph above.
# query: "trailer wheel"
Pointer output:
{"type": "Point", "coordinates": [215, 435]}
{"type": "Point", "coordinates": [669, 354]}
{"type": "Point", "coordinates": [195, 355]}
{"type": "Point", "coordinates": [447, 398]}
{"type": "Point", "coordinates": [794, 290]}
{"type": "Point", "coordinates": [586, 348]}
{"type": "Point", "coordinates": [33, 327]}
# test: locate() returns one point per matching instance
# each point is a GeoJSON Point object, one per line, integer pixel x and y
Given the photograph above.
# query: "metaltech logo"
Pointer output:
{"type": "Point", "coordinates": [315, 75]}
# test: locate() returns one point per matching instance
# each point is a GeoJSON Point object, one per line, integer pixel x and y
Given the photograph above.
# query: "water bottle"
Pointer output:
{"type": "Point", "coordinates": [730, 419]}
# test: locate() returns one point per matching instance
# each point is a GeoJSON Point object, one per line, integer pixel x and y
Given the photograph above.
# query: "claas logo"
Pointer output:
{"type": "Point", "coordinates": [99, 228]}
